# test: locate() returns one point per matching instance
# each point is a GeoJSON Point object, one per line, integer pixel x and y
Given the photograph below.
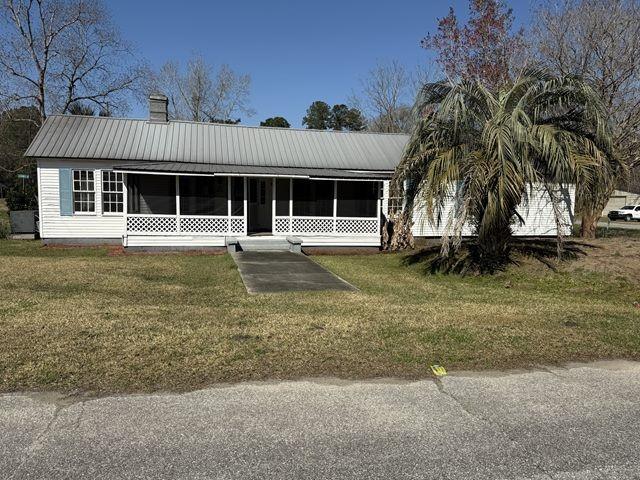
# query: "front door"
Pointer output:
{"type": "Point", "coordinates": [259, 203]}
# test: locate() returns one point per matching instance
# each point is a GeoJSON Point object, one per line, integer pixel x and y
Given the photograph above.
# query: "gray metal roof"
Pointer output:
{"type": "Point", "coordinates": [211, 169]}
{"type": "Point", "coordinates": [69, 136]}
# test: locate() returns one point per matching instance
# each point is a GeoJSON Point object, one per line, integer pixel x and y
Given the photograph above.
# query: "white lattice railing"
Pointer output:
{"type": "Point", "coordinates": [326, 226]}
{"type": "Point", "coordinates": [187, 224]}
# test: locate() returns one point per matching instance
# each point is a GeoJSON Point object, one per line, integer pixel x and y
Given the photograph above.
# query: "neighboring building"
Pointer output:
{"type": "Point", "coordinates": [184, 184]}
{"type": "Point", "coordinates": [619, 199]}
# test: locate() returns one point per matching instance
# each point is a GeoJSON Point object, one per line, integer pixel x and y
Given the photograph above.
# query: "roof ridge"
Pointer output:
{"type": "Point", "coordinates": [260, 127]}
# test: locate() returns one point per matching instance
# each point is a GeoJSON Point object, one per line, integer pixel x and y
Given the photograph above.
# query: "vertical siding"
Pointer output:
{"type": "Point", "coordinates": [53, 225]}
{"type": "Point", "coordinates": [539, 219]}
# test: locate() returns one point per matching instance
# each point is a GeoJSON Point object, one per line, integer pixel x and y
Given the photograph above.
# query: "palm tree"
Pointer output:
{"type": "Point", "coordinates": [488, 150]}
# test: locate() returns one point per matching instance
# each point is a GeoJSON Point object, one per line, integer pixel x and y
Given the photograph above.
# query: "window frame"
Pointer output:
{"type": "Point", "coordinates": [87, 191]}
{"type": "Point", "coordinates": [111, 192]}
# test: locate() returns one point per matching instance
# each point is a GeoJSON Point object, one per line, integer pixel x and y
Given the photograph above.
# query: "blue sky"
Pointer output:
{"type": "Point", "coordinates": [295, 51]}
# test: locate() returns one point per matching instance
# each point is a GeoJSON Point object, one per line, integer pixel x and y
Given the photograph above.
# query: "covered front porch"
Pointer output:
{"type": "Point", "coordinates": [191, 210]}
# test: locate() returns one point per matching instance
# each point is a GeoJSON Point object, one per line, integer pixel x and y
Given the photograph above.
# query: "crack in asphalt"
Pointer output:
{"type": "Point", "coordinates": [497, 427]}
{"type": "Point", "coordinates": [39, 441]}
{"type": "Point", "coordinates": [441, 388]}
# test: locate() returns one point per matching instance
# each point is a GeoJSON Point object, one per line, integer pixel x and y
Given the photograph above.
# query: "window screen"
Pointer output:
{"type": "Point", "coordinates": [358, 199]}
{"type": "Point", "coordinates": [151, 194]}
{"type": "Point", "coordinates": [313, 198]}
{"type": "Point", "coordinates": [203, 196]}
{"type": "Point", "coordinates": [237, 196]}
{"type": "Point", "coordinates": [282, 197]}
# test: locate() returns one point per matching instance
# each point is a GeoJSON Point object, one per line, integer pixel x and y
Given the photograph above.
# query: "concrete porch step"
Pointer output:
{"type": "Point", "coordinates": [257, 244]}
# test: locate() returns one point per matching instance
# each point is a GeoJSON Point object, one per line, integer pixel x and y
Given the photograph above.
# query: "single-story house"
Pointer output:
{"type": "Point", "coordinates": [620, 198]}
{"type": "Point", "coordinates": [156, 182]}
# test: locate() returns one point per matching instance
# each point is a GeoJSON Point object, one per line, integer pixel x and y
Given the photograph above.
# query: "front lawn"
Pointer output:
{"type": "Point", "coordinates": [98, 320]}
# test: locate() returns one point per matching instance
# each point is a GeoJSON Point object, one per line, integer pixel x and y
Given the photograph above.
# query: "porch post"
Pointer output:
{"type": "Point", "coordinates": [335, 204]}
{"type": "Point", "coordinates": [273, 204]}
{"type": "Point", "coordinates": [125, 202]}
{"type": "Point", "coordinates": [178, 203]}
{"type": "Point", "coordinates": [228, 204]}
{"type": "Point", "coordinates": [380, 202]}
{"type": "Point", "coordinates": [246, 212]}
{"type": "Point", "coordinates": [290, 205]}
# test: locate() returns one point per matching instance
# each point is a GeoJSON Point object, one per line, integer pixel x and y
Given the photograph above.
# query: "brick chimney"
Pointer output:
{"type": "Point", "coordinates": [158, 108]}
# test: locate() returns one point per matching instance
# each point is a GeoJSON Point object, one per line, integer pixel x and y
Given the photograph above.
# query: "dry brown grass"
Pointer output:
{"type": "Point", "coordinates": [618, 257]}
{"type": "Point", "coordinates": [88, 320]}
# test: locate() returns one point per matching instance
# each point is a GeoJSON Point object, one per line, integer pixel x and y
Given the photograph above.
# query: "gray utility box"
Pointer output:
{"type": "Point", "coordinates": [23, 221]}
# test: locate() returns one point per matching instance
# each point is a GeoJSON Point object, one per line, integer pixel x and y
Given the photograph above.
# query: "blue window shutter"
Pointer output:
{"type": "Point", "coordinates": [66, 194]}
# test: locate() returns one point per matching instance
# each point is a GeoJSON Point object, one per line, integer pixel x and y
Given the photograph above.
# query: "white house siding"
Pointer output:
{"type": "Point", "coordinates": [339, 241]}
{"type": "Point", "coordinates": [385, 197]}
{"type": "Point", "coordinates": [174, 241]}
{"type": "Point", "coordinates": [538, 215]}
{"type": "Point", "coordinates": [78, 226]}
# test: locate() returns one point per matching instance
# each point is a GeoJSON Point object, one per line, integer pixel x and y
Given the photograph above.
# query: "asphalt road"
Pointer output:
{"type": "Point", "coordinates": [563, 423]}
{"type": "Point", "coordinates": [620, 224]}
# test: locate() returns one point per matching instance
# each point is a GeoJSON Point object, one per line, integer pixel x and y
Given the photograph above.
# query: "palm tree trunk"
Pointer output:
{"type": "Point", "coordinates": [589, 225]}
{"type": "Point", "coordinates": [396, 232]}
{"type": "Point", "coordinates": [494, 247]}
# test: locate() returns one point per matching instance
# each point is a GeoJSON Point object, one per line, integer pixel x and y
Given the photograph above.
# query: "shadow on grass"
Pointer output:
{"type": "Point", "coordinates": [467, 260]}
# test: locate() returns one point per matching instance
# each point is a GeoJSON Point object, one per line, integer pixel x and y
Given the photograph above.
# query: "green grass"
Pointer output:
{"type": "Point", "coordinates": [90, 320]}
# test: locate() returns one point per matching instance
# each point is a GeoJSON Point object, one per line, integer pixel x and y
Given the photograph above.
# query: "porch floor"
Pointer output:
{"type": "Point", "coordinates": [277, 271]}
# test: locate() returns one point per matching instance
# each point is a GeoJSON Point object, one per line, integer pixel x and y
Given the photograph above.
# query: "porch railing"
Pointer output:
{"type": "Point", "coordinates": [352, 226]}
{"type": "Point", "coordinates": [184, 225]}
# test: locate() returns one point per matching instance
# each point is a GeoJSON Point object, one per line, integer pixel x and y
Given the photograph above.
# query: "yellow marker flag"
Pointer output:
{"type": "Point", "coordinates": [438, 370]}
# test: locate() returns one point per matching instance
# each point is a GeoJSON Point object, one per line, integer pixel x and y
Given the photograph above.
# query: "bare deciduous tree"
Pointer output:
{"type": "Point", "coordinates": [57, 53]}
{"type": "Point", "coordinates": [388, 92]}
{"type": "Point", "coordinates": [202, 94]}
{"type": "Point", "coordinates": [599, 41]}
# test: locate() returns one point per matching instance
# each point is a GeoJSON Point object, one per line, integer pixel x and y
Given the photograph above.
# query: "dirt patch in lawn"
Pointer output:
{"type": "Point", "coordinates": [616, 257]}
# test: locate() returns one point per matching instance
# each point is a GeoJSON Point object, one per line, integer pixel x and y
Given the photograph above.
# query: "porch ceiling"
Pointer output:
{"type": "Point", "coordinates": [250, 170]}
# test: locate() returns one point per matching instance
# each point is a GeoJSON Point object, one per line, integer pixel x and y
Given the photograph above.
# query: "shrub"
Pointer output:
{"type": "Point", "coordinates": [19, 198]}
{"type": "Point", "coordinates": [5, 228]}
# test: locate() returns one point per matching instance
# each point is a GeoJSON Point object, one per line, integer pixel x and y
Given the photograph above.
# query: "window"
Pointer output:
{"type": "Point", "coordinates": [282, 197]}
{"type": "Point", "coordinates": [358, 199]}
{"type": "Point", "coordinates": [312, 198]}
{"type": "Point", "coordinates": [151, 194]}
{"type": "Point", "coordinates": [84, 196]}
{"type": "Point", "coordinates": [112, 192]}
{"type": "Point", "coordinates": [204, 196]}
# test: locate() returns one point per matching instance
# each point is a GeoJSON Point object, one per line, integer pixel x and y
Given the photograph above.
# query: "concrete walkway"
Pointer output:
{"type": "Point", "coordinates": [278, 271]}
{"type": "Point", "coordinates": [577, 423]}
